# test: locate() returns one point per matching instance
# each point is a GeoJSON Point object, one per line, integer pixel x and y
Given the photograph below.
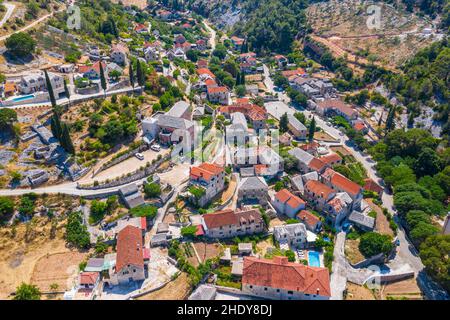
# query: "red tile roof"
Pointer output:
{"type": "Point", "coordinates": [95, 66]}
{"type": "Point", "coordinates": [338, 105]}
{"type": "Point", "coordinates": [229, 217]}
{"type": "Point", "coordinates": [308, 218]}
{"type": "Point", "coordinates": [371, 185]}
{"type": "Point", "coordinates": [341, 182]}
{"type": "Point", "coordinates": [217, 89]}
{"type": "Point", "coordinates": [206, 171]}
{"type": "Point", "coordinates": [330, 158]}
{"type": "Point", "coordinates": [89, 278]}
{"type": "Point", "coordinates": [285, 196]}
{"type": "Point", "coordinates": [203, 71]}
{"type": "Point", "coordinates": [200, 231]}
{"type": "Point", "coordinates": [281, 274]}
{"type": "Point", "coordinates": [317, 164]}
{"type": "Point", "coordinates": [319, 188]}
{"type": "Point", "coordinates": [129, 248]}
{"type": "Point", "coordinates": [290, 73]}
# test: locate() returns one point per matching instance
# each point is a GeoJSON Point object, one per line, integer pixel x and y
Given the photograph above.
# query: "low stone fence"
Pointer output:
{"type": "Point", "coordinates": [379, 258]}
{"type": "Point", "coordinates": [123, 157]}
{"type": "Point", "coordinates": [131, 177]}
{"type": "Point", "coordinates": [386, 278]}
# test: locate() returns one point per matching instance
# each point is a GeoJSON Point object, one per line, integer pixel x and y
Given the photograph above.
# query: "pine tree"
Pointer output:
{"type": "Point", "coordinates": [140, 74]}
{"type": "Point", "coordinates": [312, 129]}
{"type": "Point", "coordinates": [102, 77]}
{"type": "Point", "coordinates": [131, 71]}
{"type": "Point", "coordinates": [50, 89]}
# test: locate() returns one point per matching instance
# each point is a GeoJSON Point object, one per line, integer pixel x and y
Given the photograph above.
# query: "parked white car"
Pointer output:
{"type": "Point", "coordinates": [140, 156]}
{"type": "Point", "coordinates": [156, 147]}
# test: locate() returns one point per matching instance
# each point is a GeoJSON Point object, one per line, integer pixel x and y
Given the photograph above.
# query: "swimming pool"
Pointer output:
{"type": "Point", "coordinates": [22, 98]}
{"type": "Point", "coordinates": [313, 259]}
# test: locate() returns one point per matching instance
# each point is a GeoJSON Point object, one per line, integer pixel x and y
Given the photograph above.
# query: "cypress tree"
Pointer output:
{"type": "Point", "coordinates": [66, 90]}
{"type": "Point", "coordinates": [50, 89]}
{"type": "Point", "coordinates": [390, 119]}
{"type": "Point", "coordinates": [312, 129]}
{"type": "Point", "coordinates": [243, 78]}
{"type": "Point", "coordinates": [55, 125]}
{"type": "Point", "coordinates": [140, 74]}
{"type": "Point", "coordinates": [102, 77]}
{"type": "Point", "coordinates": [66, 140]}
{"type": "Point", "coordinates": [284, 123]}
{"type": "Point", "coordinates": [131, 71]}
{"type": "Point", "coordinates": [238, 78]}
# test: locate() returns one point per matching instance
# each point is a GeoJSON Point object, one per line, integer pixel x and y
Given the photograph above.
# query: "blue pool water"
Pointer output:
{"type": "Point", "coordinates": [313, 259]}
{"type": "Point", "coordinates": [22, 98]}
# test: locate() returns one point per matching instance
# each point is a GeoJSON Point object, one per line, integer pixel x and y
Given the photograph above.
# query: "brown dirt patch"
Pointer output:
{"type": "Point", "coordinates": [352, 252]}
{"type": "Point", "coordinates": [21, 249]}
{"type": "Point", "coordinates": [323, 136]}
{"type": "Point", "coordinates": [405, 289]}
{"type": "Point", "coordinates": [178, 289]}
{"type": "Point", "coordinates": [381, 222]}
{"type": "Point", "coordinates": [58, 268]}
{"type": "Point", "coordinates": [207, 250]}
{"type": "Point", "coordinates": [357, 292]}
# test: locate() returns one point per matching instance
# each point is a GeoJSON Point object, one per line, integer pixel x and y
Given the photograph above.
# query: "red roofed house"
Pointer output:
{"type": "Point", "coordinates": [281, 60]}
{"type": "Point", "coordinates": [141, 28]}
{"type": "Point", "coordinates": [89, 280]}
{"type": "Point", "coordinates": [287, 203]}
{"type": "Point", "coordinates": [202, 63]}
{"type": "Point", "coordinates": [331, 159]}
{"type": "Point", "coordinates": [252, 112]}
{"type": "Point", "coordinates": [205, 73]}
{"type": "Point", "coordinates": [209, 177]}
{"type": "Point", "coordinates": [336, 106]}
{"type": "Point", "coordinates": [219, 95]}
{"type": "Point", "coordinates": [130, 257]}
{"type": "Point", "coordinates": [237, 42]}
{"type": "Point", "coordinates": [311, 221]}
{"type": "Point", "coordinates": [231, 223]}
{"type": "Point", "coordinates": [370, 185]}
{"type": "Point", "coordinates": [318, 194]}
{"type": "Point", "coordinates": [338, 182]}
{"type": "Point", "coordinates": [92, 72]}
{"type": "Point", "coordinates": [279, 279]}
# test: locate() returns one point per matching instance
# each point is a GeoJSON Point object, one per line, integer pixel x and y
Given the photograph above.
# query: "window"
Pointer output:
{"type": "Point", "coordinates": [265, 289]}
{"type": "Point", "coordinates": [278, 290]}
{"type": "Point", "coordinates": [290, 292]}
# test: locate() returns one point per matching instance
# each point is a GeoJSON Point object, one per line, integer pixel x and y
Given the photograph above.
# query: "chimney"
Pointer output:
{"type": "Point", "coordinates": [318, 290]}
{"type": "Point", "coordinates": [280, 260]}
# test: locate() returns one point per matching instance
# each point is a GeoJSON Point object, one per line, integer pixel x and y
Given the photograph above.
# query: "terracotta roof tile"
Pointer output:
{"type": "Point", "coordinates": [129, 248]}
{"type": "Point", "coordinates": [308, 218]}
{"type": "Point", "coordinates": [281, 274]}
{"type": "Point", "coordinates": [319, 188]}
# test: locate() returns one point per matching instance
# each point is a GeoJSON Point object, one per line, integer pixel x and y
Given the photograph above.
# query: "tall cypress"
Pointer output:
{"type": "Point", "coordinates": [66, 90]}
{"type": "Point", "coordinates": [50, 89]}
{"type": "Point", "coordinates": [131, 71]}
{"type": "Point", "coordinates": [140, 74]}
{"type": "Point", "coordinates": [55, 125]}
{"type": "Point", "coordinates": [390, 119]}
{"type": "Point", "coordinates": [102, 77]}
{"type": "Point", "coordinates": [66, 140]}
{"type": "Point", "coordinates": [312, 129]}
